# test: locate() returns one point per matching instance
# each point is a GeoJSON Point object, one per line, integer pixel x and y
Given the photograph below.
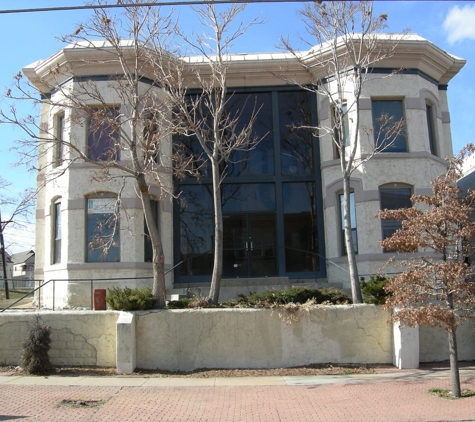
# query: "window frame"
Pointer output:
{"type": "Point", "coordinates": [396, 144]}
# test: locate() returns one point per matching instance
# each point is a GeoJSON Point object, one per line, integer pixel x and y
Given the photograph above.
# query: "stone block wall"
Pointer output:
{"type": "Point", "coordinates": [78, 338]}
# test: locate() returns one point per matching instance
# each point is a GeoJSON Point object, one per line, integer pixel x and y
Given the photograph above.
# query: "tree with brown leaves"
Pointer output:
{"type": "Point", "coordinates": [437, 285]}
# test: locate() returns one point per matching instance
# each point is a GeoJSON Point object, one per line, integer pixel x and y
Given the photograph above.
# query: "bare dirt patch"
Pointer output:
{"type": "Point", "coordinates": [314, 369]}
{"type": "Point", "coordinates": [80, 404]}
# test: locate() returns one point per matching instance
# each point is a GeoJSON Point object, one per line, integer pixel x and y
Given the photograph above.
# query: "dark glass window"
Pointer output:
{"type": "Point", "coordinates": [60, 134]}
{"type": "Point", "coordinates": [56, 232]}
{"type": "Point", "coordinates": [259, 159]}
{"type": "Point", "coordinates": [300, 227]}
{"type": "Point", "coordinates": [251, 197]}
{"type": "Point", "coordinates": [353, 223]}
{"type": "Point", "coordinates": [386, 116]}
{"type": "Point", "coordinates": [196, 230]}
{"type": "Point", "coordinates": [296, 143]}
{"type": "Point", "coordinates": [393, 197]}
{"type": "Point", "coordinates": [269, 214]}
{"type": "Point", "coordinates": [103, 134]}
{"type": "Point", "coordinates": [148, 252]}
{"type": "Point", "coordinates": [103, 239]}
{"type": "Point", "coordinates": [431, 128]}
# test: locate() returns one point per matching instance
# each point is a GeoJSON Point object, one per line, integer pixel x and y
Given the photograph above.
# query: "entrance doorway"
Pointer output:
{"type": "Point", "coordinates": [249, 246]}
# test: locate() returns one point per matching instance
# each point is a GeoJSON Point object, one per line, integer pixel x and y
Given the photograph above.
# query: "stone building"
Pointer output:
{"type": "Point", "coordinates": [282, 216]}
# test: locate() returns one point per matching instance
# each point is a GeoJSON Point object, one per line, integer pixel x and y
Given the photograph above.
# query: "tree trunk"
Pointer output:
{"type": "Point", "coordinates": [453, 352]}
{"type": "Point", "coordinates": [350, 250]}
{"type": "Point", "coordinates": [158, 257]}
{"type": "Point", "coordinates": [218, 236]}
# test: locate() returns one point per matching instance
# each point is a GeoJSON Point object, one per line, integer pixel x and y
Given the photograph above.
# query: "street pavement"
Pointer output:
{"type": "Point", "coordinates": [394, 396]}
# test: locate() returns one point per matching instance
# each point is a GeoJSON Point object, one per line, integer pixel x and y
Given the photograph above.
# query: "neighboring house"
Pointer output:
{"type": "Point", "coordinates": [23, 268]}
{"type": "Point", "coordinates": [284, 226]}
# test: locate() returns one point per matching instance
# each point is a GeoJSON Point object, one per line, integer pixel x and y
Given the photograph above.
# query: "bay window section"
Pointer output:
{"type": "Point", "coordinates": [103, 230]}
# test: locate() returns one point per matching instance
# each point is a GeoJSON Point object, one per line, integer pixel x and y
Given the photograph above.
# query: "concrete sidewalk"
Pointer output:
{"type": "Point", "coordinates": [395, 396]}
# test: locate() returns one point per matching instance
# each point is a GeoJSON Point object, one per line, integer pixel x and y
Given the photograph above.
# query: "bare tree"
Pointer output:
{"type": "Point", "coordinates": [349, 45]}
{"type": "Point", "coordinates": [205, 116]}
{"type": "Point", "coordinates": [20, 208]}
{"type": "Point", "coordinates": [436, 288]}
{"type": "Point", "coordinates": [126, 142]}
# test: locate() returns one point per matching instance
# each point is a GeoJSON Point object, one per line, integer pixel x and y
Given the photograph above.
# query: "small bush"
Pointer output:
{"type": "Point", "coordinates": [373, 290]}
{"type": "Point", "coordinates": [130, 299]}
{"type": "Point", "coordinates": [35, 358]}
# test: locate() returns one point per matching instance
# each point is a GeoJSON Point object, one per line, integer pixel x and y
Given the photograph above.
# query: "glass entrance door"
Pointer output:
{"type": "Point", "coordinates": [249, 246]}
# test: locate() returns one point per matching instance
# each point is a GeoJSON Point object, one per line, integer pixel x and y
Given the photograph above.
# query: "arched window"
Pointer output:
{"type": "Point", "coordinates": [103, 229]}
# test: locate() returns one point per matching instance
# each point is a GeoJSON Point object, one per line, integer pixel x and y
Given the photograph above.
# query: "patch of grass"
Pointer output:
{"type": "Point", "coordinates": [14, 294]}
{"type": "Point", "coordinates": [447, 394]}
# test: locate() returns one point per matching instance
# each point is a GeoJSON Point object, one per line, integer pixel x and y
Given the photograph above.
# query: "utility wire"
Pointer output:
{"type": "Point", "coordinates": [164, 3]}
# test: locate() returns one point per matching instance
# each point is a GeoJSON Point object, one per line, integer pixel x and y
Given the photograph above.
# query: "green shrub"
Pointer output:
{"type": "Point", "coordinates": [294, 295]}
{"type": "Point", "coordinates": [35, 358]}
{"type": "Point", "coordinates": [130, 299]}
{"type": "Point", "coordinates": [373, 290]}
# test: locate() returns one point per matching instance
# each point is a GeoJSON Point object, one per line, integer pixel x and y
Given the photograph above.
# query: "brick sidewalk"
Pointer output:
{"type": "Point", "coordinates": [388, 401]}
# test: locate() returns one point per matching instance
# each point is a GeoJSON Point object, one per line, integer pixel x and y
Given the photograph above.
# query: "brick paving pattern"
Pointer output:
{"type": "Point", "coordinates": [383, 401]}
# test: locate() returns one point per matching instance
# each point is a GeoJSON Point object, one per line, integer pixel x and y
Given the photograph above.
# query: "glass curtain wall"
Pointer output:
{"type": "Point", "coordinates": [271, 195]}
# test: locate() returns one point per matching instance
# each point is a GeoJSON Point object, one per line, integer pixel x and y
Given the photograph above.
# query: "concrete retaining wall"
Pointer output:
{"type": "Point", "coordinates": [78, 338]}
{"type": "Point", "coordinates": [255, 338]}
{"type": "Point", "coordinates": [228, 338]}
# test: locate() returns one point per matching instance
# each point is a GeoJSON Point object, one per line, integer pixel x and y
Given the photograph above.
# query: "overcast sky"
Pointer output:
{"type": "Point", "coordinates": [27, 37]}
